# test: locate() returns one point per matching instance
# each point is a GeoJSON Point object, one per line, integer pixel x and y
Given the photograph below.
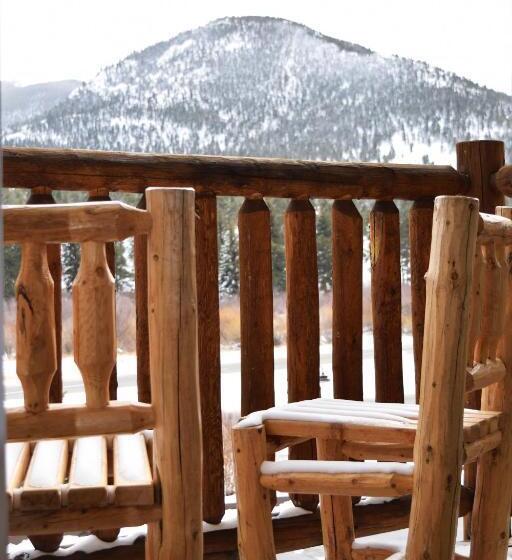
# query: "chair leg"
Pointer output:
{"type": "Point", "coordinates": [255, 535]}
{"type": "Point", "coordinates": [336, 511]}
{"type": "Point", "coordinates": [491, 510]}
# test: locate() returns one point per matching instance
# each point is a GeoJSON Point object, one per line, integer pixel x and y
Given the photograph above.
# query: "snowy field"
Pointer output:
{"type": "Point", "coordinates": [231, 381]}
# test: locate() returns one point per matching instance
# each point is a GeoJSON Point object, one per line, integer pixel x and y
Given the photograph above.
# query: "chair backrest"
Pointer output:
{"type": "Point", "coordinates": [174, 412]}
{"type": "Point", "coordinates": [466, 348]}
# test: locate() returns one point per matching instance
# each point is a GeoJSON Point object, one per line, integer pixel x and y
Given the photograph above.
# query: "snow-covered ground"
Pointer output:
{"type": "Point", "coordinates": [231, 381]}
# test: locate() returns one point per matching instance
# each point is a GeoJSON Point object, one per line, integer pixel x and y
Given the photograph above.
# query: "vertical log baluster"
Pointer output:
{"type": "Point", "coordinates": [420, 235]}
{"type": "Point", "coordinates": [36, 349]}
{"type": "Point", "coordinates": [94, 332]}
{"type": "Point", "coordinates": [256, 307]}
{"type": "Point", "coordinates": [347, 300]}
{"type": "Point", "coordinates": [478, 160]}
{"type": "Point", "coordinates": [43, 195]}
{"type": "Point", "coordinates": [386, 301]}
{"type": "Point", "coordinates": [207, 267]}
{"type": "Point", "coordinates": [303, 326]}
{"type": "Point", "coordinates": [102, 195]}
{"type": "Point", "coordinates": [177, 448]}
{"type": "Point", "coordinates": [491, 518]}
{"type": "Point", "coordinates": [140, 252]}
{"type": "Point", "coordinates": [476, 306]}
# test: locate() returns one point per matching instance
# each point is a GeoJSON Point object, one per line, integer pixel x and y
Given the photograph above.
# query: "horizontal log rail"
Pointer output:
{"type": "Point", "coordinates": [68, 421]}
{"type": "Point", "coordinates": [74, 223]}
{"type": "Point", "coordinates": [494, 228]}
{"type": "Point", "coordinates": [86, 170]}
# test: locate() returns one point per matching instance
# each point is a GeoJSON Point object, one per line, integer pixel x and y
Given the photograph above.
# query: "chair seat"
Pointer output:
{"type": "Point", "coordinates": [87, 472]}
{"type": "Point", "coordinates": [361, 424]}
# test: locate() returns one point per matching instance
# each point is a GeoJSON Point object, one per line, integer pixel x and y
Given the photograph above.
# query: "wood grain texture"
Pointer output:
{"type": "Point", "coordinates": [255, 537]}
{"type": "Point", "coordinates": [207, 270]}
{"type": "Point", "coordinates": [502, 180]}
{"type": "Point", "coordinates": [491, 512]}
{"type": "Point", "coordinates": [386, 301]}
{"type": "Point", "coordinates": [94, 323]}
{"type": "Point", "coordinates": [438, 447]}
{"type": "Point", "coordinates": [65, 420]}
{"type": "Point", "coordinates": [73, 223]}
{"type": "Point", "coordinates": [44, 196]}
{"type": "Point", "coordinates": [110, 251]}
{"type": "Point", "coordinates": [302, 319]}
{"type": "Point", "coordinates": [256, 307]}
{"type": "Point", "coordinates": [336, 511]}
{"type": "Point", "coordinates": [227, 176]}
{"type": "Point", "coordinates": [177, 448]}
{"type": "Point", "coordinates": [420, 235]}
{"type": "Point", "coordinates": [347, 301]}
{"type": "Point", "coordinates": [36, 349]}
{"type": "Point", "coordinates": [140, 258]}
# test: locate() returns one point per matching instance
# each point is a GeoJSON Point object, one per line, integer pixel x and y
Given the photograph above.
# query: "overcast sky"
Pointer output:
{"type": "Point", "coordinates": [43, 40]}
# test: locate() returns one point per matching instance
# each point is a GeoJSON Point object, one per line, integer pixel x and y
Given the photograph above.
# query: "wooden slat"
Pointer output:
{"type": "Point", "coordinates": [73, 223]}
{"type": "Point", "coordinates": [46, 473]}
{"type": "Point", "coordinates": [44, 196]}
{"type": "Point", "coordinates": [133, 484]}
{"type": "Point", "coordinates": [386, 301]}
{"type": "Point", "coordinates": [94, 323]}
{"type": "Point", "coordinates": [207, 272]}
{"type": "Point", "coordinates": [482, 375]}
{"type": "Point", "coordinates": [110, 251]}
{"type": "Point", "coordinates": [420, 235]}
{"type": "Point", "coordinates": [256, 307]}
{"type": "Point", "coordinates": [36, 351]}
{"type": "Point", "coordinates": [347, 300]}
{"type": "Point", "coordinates": [88, 476]}
{"type": "Point", "coordinates": [140, 252]}
{"type": "Point", "coordinates": [17, 456]}
{"type": "Point", "coordinates": [83, 519]}
{"type": "Point", "coordinates": [228, 176]}
{"type": "Point", "coordinates": [302, 319]}
{"type": "Point", "coordinates": [64, 420]}
{"type": "Point", "coordinates": [340, 484]}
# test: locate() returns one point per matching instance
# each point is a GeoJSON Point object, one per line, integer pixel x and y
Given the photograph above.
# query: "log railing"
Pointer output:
{"type": "Point", "coordinates": [480, 173]}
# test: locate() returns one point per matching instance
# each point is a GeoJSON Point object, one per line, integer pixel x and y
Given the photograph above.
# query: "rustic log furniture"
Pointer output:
{"type": "Point", "coordinates": [481, 173]}
{"type": "Point", "coordinates": [467, 346]}
{"type": "Point", "coordinates": [86, 467]}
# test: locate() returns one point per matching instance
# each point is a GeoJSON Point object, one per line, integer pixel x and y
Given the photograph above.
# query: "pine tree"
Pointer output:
{"type": "Point", "coordinates": [124, 273]}
{"type": "Point", "coordinates": [324, 244]}
{"type": "Point", "coordinates": [70, 263]}
{"type": "Point", "coordinates": [12, 257]}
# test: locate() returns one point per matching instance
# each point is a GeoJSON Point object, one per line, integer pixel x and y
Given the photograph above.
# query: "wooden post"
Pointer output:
{"type": "Point", "coordinates": [207, 267]}
{"type": "Point", "coordinates": [347, 301]}
{"type": "Point", "coordinates": [386, 301]}
{"type": "Point", "coordinates": [420, 235]}
{"type": "Point", "coordinates": [256, 307]}
{"type": "Point", "coordinates": [255, 536]}
{"type": "Point", "coordinates": [438, 446]}
{"type": "Point", "coordinates": [140, 251]}
{"type": "Point", "coordinates": [102, 195]}
{"type": "Point", "coordinates": [302, 323]}
{"type": "Point", "coordinates": [479, 160]}
{"type": "Point", "coordinates": [172, 305]}
{"type": "Point", "coordinates": [36, 355]}
{"type": "Point", "coordinates": [94, 320]}
{"type": "Point", "coordinates": [491, 511]}
{"type": "Point", "coordinates": [336, 511]}
{"type": "Point", "coordinates": [42, 195]}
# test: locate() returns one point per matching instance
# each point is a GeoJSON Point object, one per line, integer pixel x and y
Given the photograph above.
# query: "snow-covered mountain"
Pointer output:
{"type": "Point", "coordinates": [270, 87]}
{"type": "Point", "coordinates": [20, 103]}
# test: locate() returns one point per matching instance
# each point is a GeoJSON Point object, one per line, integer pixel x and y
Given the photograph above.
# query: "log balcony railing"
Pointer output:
{"type": "Point", "coordinates": [480, 173]}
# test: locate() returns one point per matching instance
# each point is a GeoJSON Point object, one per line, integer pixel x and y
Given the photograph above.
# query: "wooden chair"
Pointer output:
{"type": "Point", "coordinates": [467, 347]}
{"type": "Point", "coordinates": [86, 467]}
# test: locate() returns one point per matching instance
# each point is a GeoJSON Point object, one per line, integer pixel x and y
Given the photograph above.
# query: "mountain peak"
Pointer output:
{"type": "Point", "coordinates": [271, 87]}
